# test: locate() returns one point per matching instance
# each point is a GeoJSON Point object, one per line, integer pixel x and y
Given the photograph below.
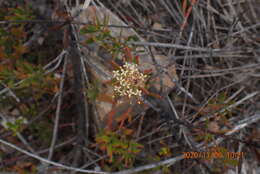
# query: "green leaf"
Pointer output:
{"type": "Point", "coordinates": [93, 90]}
{"type": "Point", "coordinates": [10, 84]}
{"type": "Point", "coordinates": [221, 98]}
{"type": "Point", "coordinates": [232, 162]}
{"type": "Point", "coordinates": [132, 38]}
{"type": "Point", "coordinates": [110, 152]}
{"type": "Point", "coordinates": [106, 34]}
{"type": "Point", "coordinates": [90, 41]}
{"type": "Point", "coordinates": [104, 139]}
{"type": "Point", "coordinates": [89, 29]}
{"type": "Point", "coordinates": [208, 137]}
{"type": "Point", "coordinates": [20, 13]}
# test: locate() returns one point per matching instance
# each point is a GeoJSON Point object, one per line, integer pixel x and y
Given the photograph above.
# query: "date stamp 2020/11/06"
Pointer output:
{"type": "Point", "coordinates": [213, 155]}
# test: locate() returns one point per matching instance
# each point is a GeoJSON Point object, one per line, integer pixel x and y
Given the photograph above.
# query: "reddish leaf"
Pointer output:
{"type": "Point", "coordinates": [2, 53]}
{"type": "Point", "coordinates": [137, 59]}
{"type": "Point", "coordinates": [184, 6]}
{"type": "Point", "coordinates": [128, 54]}
{"type": "Point", "coordinates": [18, 32]}
{"type": "Point", "coordinates": [114, 64]}
{"type": "Point", "coordinates": [65, 38]}
{"type": "Point", "coordinates": [123, 117]}
{"type": "Point", "coordinates": [19, 50]}
{"type": "Point", "coordinates": [128, 131]}
{"type": "Point", "coordinates": [151, 93]}
{"type": "Point", "coordinates": [105, 98]}
{"type": "Point", "coordinates": [110, 119]}
{"type": "Point", "coordinates": [148, 71]}
{"type": "Point", "coordinates": [187, 14]}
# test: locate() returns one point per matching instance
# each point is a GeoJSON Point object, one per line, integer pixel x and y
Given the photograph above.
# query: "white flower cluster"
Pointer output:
{"type": "Point", "coordinates": [128, 80]}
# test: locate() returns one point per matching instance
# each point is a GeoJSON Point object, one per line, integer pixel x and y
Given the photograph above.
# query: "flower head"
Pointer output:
{"type": "Point", "coordinates": [128, 80]}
